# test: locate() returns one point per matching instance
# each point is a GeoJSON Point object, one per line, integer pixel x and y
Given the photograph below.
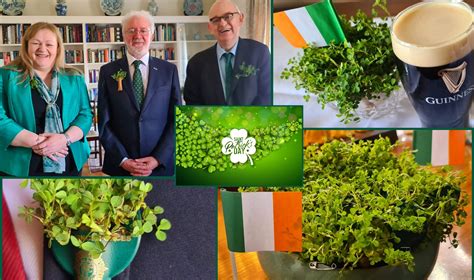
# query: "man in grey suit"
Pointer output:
{"type": "Point", "coordinates": [235, 71]}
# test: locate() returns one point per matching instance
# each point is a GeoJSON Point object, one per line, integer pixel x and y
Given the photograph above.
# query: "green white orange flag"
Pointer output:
{"type": "Point", "coordinates": [439, 147]}
{"type": "Point", "coordinates": [263, 221]}
{"type": "Point", "coordinates": [317, 23]}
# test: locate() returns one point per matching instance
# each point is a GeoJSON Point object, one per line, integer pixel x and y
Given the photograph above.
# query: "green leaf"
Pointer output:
{"type": "Point", "coordinates": [61, 194]}
{"type": "Point", "coordinates": [147, 227]}
{"type": "Point", "coordinates": [59, 185]}
{"type": "Point", "coordinates": [76, 242]}
{"type": "Point", "coordinates": [90, 246]}
{"type": "Point", "coordinates": [164, 224]}
{"type": "Point", "coordinates": [63, 238]}
{"type": "Point", "coordinates": [71, 199]}
{"type": "Point", "coordinates": [116, 201]}
{"type": "Point", "coordinates": [158, 210]}
{"type": "Point", "coordinates": [160, 235]}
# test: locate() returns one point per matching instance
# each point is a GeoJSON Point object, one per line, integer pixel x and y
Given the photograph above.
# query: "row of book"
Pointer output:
{"type": "Point", "coordinates": [104, 55]}
{"type": "Point", "coordinates": [71, 56]}
{"type": "Point", "coordinates": [94, 55]}
{"type": "Point", "coordinates": [12, 33]}
{"type": "Point", "coordinates": [74, 56]}
{"type": "Point", "coordinates": [93, 76]}
{"type": "Point", "coordinates": [104, 33]}
{"type": "Point", "coordinates": [108, 55]}
{"type": "Point", "coordinates": [71, 33]}
{"type": "Point", "coordinates": [166, 53]}
{"type": "Point", "coordinates": [165, 32]}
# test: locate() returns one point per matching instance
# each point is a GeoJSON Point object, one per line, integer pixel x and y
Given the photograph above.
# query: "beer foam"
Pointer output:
{"type": "Point", "coordinates": [433, 34]}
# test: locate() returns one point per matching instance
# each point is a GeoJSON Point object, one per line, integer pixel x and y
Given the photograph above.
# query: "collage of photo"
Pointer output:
{"type": "Point", "coordinates": [236, 139]}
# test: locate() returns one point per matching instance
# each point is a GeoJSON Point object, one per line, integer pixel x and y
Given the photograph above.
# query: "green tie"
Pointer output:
{"type": "Point", "coordinates": [138, 83]}
{"type": "Point", "coordinates": [228, 75]}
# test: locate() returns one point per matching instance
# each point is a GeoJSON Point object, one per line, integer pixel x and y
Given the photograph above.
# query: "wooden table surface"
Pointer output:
{"type": "Point", "coordinates": [452, 264]}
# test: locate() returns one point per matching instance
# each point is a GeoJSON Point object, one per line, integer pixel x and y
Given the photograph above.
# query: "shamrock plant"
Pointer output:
{"type": "Point", "coordinates": [361, 68]}
{"type": "Point", "coordinates": [89, 213]}
{"type": "Point", "coordinates": [246, 70]}
{"type": "Point", "coordinates": [365, 206]}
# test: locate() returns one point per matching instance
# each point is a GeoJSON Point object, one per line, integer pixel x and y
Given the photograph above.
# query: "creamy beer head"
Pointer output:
{"type": "Point", "coordinates": [433, 34]}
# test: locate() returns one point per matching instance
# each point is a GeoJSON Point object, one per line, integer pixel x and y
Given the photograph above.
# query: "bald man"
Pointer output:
{"type": "Point", "coordinates": [235, 71]}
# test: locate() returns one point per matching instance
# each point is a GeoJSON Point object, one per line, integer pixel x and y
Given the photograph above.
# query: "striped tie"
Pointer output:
{"type": "Point", "coordinates": [138, 83]}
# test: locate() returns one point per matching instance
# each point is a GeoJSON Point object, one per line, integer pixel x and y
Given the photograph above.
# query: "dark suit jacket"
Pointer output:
{"type": "Point", "coordinates": [189, 251]}
{"type": "Point", "coordinates": [127, 131]}
{"type": "Point", "coordinates": [203, 84]}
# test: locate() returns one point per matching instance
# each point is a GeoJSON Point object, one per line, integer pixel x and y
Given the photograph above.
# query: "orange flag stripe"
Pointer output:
{"type": "Point", "coordinates": [457, 140]}
{"type": "Point", "coordinates": [288, 30]}
{"type": "Point", "coordinates": [287, 228]}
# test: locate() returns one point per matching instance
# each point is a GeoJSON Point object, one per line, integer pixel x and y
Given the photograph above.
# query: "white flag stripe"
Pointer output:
{"type": "Point", "coordinates": [305, 26]}
{"type": "Point", "coordinates": [440, 147]}
{"type": "Point", "coordinates": [257, 212]}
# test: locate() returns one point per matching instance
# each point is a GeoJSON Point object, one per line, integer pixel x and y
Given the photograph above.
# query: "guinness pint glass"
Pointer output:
{"type": "Point", "coordinates": [434, 42]}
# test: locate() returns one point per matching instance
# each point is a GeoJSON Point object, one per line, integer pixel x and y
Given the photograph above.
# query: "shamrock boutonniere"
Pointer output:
{"type": "Point", "coordinates": [246, 70]}
{"type": "Point", "coordinates": [119, 76]}
{"type": "Point", "coordinates": [34, 84]}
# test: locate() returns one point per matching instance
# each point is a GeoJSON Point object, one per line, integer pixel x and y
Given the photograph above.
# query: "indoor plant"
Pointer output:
{"type": "Point", "coordinates": [362, 68]}
{"type": "Point", "coordinates": [364, 206]}
{"type": "Point", "coordinates": [92, 214]}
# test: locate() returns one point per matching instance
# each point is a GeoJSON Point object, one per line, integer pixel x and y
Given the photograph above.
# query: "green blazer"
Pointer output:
{"type": "Point", "coordinates": [17, 113]}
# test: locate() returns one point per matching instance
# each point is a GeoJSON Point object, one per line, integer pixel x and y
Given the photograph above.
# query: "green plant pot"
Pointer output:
{"type": "Point", "coordinates": [117, 257]}
{"type": "Point", "coordinates": [279, 265]}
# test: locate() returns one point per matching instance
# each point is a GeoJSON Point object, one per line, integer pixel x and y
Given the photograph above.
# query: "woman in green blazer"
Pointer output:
{"type": "Point", "coordinates": [44, 109]}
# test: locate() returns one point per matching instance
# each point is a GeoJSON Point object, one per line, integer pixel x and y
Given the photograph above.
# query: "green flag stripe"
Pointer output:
{"type": "Point", "coordinates": [325, 18]}
{"type": "Point", "coordinates": [234, 224]}
{"type": "Point", "coordinates": [422, 140]}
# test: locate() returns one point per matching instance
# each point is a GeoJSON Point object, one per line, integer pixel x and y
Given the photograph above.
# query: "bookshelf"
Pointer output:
{"type": "Point", "coordinates": [92, 41]}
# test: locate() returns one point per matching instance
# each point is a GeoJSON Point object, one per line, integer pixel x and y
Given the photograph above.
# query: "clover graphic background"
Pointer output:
{"type": "Point", "coordinates": [238, 136]}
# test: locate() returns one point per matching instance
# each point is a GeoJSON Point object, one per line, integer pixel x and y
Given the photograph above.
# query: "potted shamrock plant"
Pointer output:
{"type": "Point", "coordinates": [89, 221]}
{"type": "Point", "coordinates": [358, 76]}
{"type": "Point", "coordinates": [371, 214]}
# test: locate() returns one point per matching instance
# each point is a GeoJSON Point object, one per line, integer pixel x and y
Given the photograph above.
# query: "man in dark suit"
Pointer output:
{"type": "Point", "coordinates": [137, 95]}
{"type": "Point", "coordinates": [235, 71]}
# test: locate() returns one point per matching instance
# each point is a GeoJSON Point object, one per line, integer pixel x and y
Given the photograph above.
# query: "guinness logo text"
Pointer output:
{"type": "Point", "coordinates": [450, 99]}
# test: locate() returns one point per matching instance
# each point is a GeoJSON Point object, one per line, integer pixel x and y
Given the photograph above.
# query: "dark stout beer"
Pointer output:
{"type": "Point", "coordinates": [434, 44]}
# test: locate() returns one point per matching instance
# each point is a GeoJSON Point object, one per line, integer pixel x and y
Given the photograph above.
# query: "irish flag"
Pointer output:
{"type": "Point", "coordinates": [439, 147]}
{"type": "Point", "coordinates": [316, 23]}
{"type": "Point", "coordinates": [263, 221]}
